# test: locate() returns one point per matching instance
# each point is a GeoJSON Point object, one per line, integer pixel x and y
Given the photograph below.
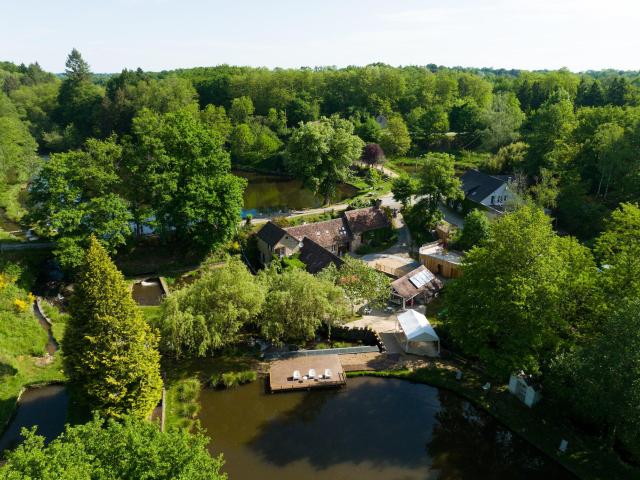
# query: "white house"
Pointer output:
{"type": "Point", "coordinates": [491, 191]}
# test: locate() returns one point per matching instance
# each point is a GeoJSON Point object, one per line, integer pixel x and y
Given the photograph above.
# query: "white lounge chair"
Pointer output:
{"type": "Point", "coordinates": [312, 373]}
{"type": "Point", "coordinates": [327, 373]}
{"type": "Point", "coordinates": [296, 375]}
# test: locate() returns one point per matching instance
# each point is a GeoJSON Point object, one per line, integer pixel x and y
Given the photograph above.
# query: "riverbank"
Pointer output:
{"type": "Point", "coordinates": [542, 428]}
{"type": "Point", "coordinates": [24, 357]}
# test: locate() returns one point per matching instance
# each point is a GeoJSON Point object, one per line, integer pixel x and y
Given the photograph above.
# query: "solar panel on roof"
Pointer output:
{"type": "Point", "coordinates": [419, 280]}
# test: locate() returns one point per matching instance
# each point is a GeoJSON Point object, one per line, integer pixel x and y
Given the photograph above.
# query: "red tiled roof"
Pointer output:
{"type": "Point", "coordinates": [327, 233]}
{"type": "Point", "coordinates": [365, 219]}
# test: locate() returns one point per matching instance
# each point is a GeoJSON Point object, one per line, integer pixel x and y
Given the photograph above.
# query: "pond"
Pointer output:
{"type": "Point", "coordinates": [374, 428]}
{"type": "Point", "coordinates": [148, 292]}
{"type": "Point", "coordinates": [45, 407]}
{"type": "Point", "coordinates": [268, 195]}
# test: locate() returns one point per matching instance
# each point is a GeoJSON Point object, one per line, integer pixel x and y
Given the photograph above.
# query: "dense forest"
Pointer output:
{"type": "Point", "coordinates": [94, 159]}
{"type": "Point", "coordinates": [571, 138]}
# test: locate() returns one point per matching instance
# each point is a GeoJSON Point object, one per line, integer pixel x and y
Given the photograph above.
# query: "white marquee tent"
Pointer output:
{"type": "Point", "coordinates": [417, 334]}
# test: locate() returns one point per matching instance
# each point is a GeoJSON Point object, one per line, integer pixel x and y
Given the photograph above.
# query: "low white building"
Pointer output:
{"type": "Point", "coordinates": [519, 385]}
{"type": "Point", "coordinates": [416, 335]}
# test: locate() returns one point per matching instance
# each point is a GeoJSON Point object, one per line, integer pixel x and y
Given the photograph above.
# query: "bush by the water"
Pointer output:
{"type": "Point", "coordinates": [130, 448]}
{"type": "Point", "coordinates": [188, 390]}
{"type": "Point", "coordinates": [233, 379]}
{"type": "Point", "coordinates": [183, 402]}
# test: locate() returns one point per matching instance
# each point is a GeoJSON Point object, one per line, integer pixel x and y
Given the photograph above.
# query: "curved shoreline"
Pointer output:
{"type": "Point", "coordinates": [16, 406]}
{"type": "Point", "coordinates": [578, 467]}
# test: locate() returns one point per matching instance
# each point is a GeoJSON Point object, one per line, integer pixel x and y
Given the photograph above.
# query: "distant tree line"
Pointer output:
{"type": "Point", "coordinates": [570, 137]}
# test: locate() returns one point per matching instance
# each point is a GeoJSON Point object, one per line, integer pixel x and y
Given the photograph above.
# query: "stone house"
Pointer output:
{"type": "Point", "coordinates": [337, 236]}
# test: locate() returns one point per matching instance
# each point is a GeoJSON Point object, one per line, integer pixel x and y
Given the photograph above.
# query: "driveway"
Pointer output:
{"type": "Point", "coordinates": [383, 323]}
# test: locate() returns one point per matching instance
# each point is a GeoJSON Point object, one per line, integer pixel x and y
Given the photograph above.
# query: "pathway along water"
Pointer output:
{"type": "Point", "coordinates": [378, 429]}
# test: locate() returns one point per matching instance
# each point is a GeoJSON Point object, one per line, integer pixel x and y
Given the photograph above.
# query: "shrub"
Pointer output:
{"type": "Point", "coordinates": [233, 379]}
{"type": "Point", "coordinates": [229, 379]}
{"type": "Point", "coordinates": [188, 390]}
{"type": "Point", "coordinates": [20, 305]}
{"type": "Point", "coordinates": [247, 376]}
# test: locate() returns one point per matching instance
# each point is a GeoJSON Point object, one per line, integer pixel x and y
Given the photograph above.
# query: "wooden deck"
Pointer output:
{"type": "Point", "coordinates": [281, 373]}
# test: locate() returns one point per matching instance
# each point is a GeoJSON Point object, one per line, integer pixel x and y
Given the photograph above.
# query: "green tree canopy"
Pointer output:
{"type": "Point", "coordinates": [522, 293]}
{"type": "Point", "coordinates": [77, 69]}
{"type": "Point", "coordinates": [79, 101]}
{"type": "Point", "coordinates": [394, 138]}
{"type": "Point", "coordinates": [502, 122]}
{"type": "Point", "coordinates": [111, 450]}
{"type": "Point", "coordinates": [360, 282]}
{"type": "Point", "coordinates": [253, 142]}
{"type": "Point", "coordinates": [17, 147]}
{"type": "Point", "coordinates": [241, 110]}
{"type": "Point", "coordinates": [547, 132]}
{"type": "Point", "coordinates": [209, 313]}
{"type": "Point", "coordinates": [404, 187]}
{"type": "Point", "coordinates": [184, 174]}
{"type": "Point", "coordinates": [599, 380]}
{"type": "Point", "coordinates": [437, 184]}
{"type": "Point", "coordinates": [618, 250]}
{"type": "Point", "coordinates": [75, 195]}
{"type": "Point", "coordinates": [110, 353]}
{"type": "Point", "coordinates": [321, 153]}
{"type": "Point", "coordinates": [474, 231]}
{"type": "Point", "coordinates": [217, 120]}
{"type": "Point", "coordinates": [297, 303]}
{"type": "Point", "coordinates": [130, 92]}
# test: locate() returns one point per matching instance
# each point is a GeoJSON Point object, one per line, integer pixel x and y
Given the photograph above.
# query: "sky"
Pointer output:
{"type": "Point", "coordinates": [165, 34]}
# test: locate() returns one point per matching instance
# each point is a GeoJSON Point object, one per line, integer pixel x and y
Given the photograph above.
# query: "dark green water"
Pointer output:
{"type": "Point", "coordinates": [373, 429]}
{"type": "Point", "coordinates": [44, 407]}
{"type": "Point", "coordinates": [268, 195]}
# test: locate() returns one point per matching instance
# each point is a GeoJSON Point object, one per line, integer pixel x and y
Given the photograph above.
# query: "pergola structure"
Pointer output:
{"type": "Point", "coordinates": [416, 335]}
{"type": "Point", "coordinates": [419, 283]}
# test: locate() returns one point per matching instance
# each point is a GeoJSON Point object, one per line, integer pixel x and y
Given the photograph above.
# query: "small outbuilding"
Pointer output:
{"type": "Point", "coordinates": [416, 335]}
{"type": "Point", "coordinates": [440, 260]}
{"type": "Point", "coordinates": [418, 284]}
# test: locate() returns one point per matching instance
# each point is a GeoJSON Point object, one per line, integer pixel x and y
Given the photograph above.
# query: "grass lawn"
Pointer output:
{"type": "Point", "coordinates": [465, 160]}
{"type": "Point", "coordinates": [22, 346]}
{"type": "Point", "coordinates": [541, 427]}
{"type": "Point", "coordinates": [58, 320]}
{"type": "Point", "coordinates": [150, 313]}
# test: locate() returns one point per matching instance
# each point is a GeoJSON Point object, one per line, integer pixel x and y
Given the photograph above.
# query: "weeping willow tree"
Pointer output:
{"type": "Point", "coordinates": [209, 313]}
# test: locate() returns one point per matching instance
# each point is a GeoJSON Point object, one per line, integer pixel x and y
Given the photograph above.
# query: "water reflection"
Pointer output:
{"type": "Point", "coordinates": [375, 429]}
{"type": "Point", "coordinates": [270, 194]}
{"type": "Point", "coordinates": [44, 407]}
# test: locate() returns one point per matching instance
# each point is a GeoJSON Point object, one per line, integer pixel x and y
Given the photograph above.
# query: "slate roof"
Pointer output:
{"type": "Point", "coordinates": [316, 257]}
{"type": "Point", "coordinates": [271, 233]}
{"type": "Point", "coordinates": [327, 233]}
{"type": "Point", "coordinates": [477, 185]}
{"type": "Point", "coordinates": [403, 286]}
{"type": "Point", "coordinates": [365, 219]}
